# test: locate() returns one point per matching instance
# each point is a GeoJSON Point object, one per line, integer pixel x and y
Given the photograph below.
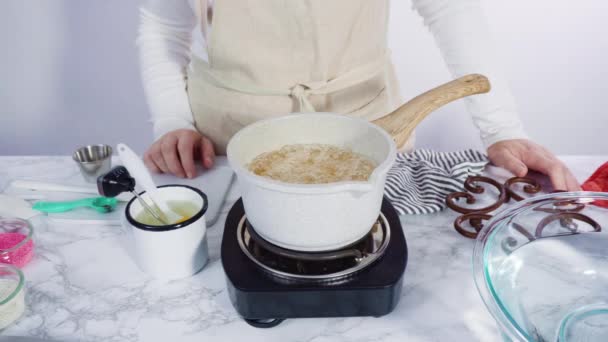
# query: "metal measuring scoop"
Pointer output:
{"type": "Point", "coordinates": [117, 181]}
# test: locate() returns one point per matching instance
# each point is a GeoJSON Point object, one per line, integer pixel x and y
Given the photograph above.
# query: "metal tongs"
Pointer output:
{"type": "Point", "coordinates": [117, 181]}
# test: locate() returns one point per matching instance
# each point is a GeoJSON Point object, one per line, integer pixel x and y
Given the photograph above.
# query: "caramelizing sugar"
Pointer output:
{"type": "Point", "coordinates": [312, 164]}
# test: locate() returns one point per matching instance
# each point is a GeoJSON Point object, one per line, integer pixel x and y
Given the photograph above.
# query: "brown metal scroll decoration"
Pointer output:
{"type": "Point", "coordinates": [510, 243]}
{"type": "Point", "coordinates": [567, 206]}
{"type": "Point", "coordinates": [566, 216]}
{"type": "Point", "coordinates": [566, 211]}
{"type": "Point", "coordinates": [523, 231]}
{"type": "Point", "coordinates": [531, 187]}
{"type": "Point", "coordinates": [561, 207]}
{"type": "Point", "coordinates": [475, 220]}
{"type": "Point", "coordinates": [471, 185]}
{"type": "Point", "coordinates": [475, 216]}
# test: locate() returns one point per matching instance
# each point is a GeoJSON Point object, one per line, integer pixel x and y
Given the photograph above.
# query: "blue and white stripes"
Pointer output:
{"type": "Point", "coordinates": [420, 180]}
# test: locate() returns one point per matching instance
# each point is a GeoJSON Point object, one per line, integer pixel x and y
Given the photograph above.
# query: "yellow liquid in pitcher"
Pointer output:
{"type": "Point", "coordinates": [312, 164]}
{"type": "Point", "coordinates": [184, 209]}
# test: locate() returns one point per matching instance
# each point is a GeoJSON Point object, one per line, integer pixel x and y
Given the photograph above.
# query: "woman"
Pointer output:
{"type": "Point", "coordinates": [209, 69]}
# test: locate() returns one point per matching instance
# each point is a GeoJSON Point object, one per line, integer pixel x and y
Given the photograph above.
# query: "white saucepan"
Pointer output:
{"type": "Point", "coordinates": [323, 217]}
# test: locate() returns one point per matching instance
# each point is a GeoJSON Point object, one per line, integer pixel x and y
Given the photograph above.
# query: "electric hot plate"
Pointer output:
{"type": "Point", "coordinates": [267, 283]}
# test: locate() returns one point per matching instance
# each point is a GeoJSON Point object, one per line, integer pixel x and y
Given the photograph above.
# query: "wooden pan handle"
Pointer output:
{"type": "Point", "coordinates": [401, 122]}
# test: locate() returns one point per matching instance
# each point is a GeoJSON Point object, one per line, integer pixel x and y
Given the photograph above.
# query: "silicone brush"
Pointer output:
{"type": "Point", "coordinates": [101, 204]}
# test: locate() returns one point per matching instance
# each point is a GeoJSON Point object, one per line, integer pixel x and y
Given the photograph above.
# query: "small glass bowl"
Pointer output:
{"type": "Point", "coordinates": [12, 295]}
{"type": "Point", "coordinates": [16, 242]}
{"type": "Point", "coordinates": [541, 267]}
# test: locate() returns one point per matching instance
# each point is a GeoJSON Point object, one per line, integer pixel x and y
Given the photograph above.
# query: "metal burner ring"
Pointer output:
{"type": "Point", "coordinates": [362, 263]}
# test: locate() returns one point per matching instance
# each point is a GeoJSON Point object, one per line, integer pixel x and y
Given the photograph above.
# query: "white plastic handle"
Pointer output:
{"type": "Point", "coordinates": [56, 187]}
{"type": "Point", "coordinates": [143, 178]}
{"type": "Point", "coordinates": [136, 168]}
{"type": "Point", "coordinates": [46, 186]}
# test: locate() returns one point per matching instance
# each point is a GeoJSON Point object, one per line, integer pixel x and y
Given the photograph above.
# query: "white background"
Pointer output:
{"type": "Point", "coordinates": [69, 74]}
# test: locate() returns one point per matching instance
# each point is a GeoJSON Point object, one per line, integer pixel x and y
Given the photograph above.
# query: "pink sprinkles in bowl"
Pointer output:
{"type": "Point", "coordinates": [16, 244]}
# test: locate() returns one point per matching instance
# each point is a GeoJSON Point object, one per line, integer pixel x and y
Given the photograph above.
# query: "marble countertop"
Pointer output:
{"type": "Point", "coordinates": [83, 286]}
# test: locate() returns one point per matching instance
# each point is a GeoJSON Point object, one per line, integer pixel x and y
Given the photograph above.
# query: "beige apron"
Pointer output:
{"type": "Point", "coordinates": [268, 58]}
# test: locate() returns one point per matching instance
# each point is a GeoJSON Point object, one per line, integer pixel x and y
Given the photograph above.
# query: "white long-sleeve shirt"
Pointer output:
{"type": "Point", "coordinates": [170, 33]}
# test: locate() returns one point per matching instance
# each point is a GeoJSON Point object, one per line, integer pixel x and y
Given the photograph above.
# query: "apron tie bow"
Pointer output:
{"type": "Point", "coordinates": [300, 93]}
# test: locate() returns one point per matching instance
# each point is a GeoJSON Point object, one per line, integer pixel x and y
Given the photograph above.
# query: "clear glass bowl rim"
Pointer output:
{"type": "Point", "coordinates": [19, 286]}
{"type": "Point", "coordinates": [506, 323]}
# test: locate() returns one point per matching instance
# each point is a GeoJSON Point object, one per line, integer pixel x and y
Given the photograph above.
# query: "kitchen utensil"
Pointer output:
{"type": "Point", "coordinates": [59, 187]}
{"type": "Point", "coordinates": [140, 172]}
{"type": "Point", "coordinates": [39, 191]}
{"type": "Point", "coordinates": [29, 197]}
{"type": "Point", "coordinates": [101, 204]}
{"type": "Point", "coordinates": [214, 182]}
{"type": "Point", "coordinates": [317, 217]}
{"type": "Point", "coordinates": [93, 160]}
{"type": "Point", "coordinates": [25, 339]}
{"type": "Point", "coordinates": [171, 251]}
{"type": "Point", "coordinates": [16, 241]}
{"type": "Point", "coordinates": [540, 267]}
{"type": "Point", "coordinates": [12, 295]}
{"type": "Point", "coordinates": [267, 284]}
{"type": "Point", "coordinates": [11, 206]}
{"type": "Point", "coordinates": [119, 180]}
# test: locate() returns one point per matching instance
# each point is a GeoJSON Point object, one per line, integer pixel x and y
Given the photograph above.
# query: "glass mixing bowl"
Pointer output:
{"type": "Point", "coordinates": [541, 267]}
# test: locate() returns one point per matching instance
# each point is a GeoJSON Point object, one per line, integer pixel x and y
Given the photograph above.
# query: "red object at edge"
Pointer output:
{"type": "Point", "coordinates": [598, 182]}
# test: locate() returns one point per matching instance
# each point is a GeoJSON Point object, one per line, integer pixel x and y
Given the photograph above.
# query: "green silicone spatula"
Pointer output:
{"type": "Point", "coordinates": [101, 204]}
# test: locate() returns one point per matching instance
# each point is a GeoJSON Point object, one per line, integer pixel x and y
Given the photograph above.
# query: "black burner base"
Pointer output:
{"type": "Point", "coordinates": [257, 297]}
{"type": "Point", "coordinates": [264, 323]}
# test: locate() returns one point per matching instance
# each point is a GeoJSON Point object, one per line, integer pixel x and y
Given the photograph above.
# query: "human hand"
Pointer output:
{"type": "Point", "coordinates": [176, 151]}
{"type": "Point", "coordinates": [519, 155]}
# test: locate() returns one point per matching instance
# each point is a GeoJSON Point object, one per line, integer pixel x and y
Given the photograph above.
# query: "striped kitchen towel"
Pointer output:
{"type": "Point", "coordinates": [420, 180]}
